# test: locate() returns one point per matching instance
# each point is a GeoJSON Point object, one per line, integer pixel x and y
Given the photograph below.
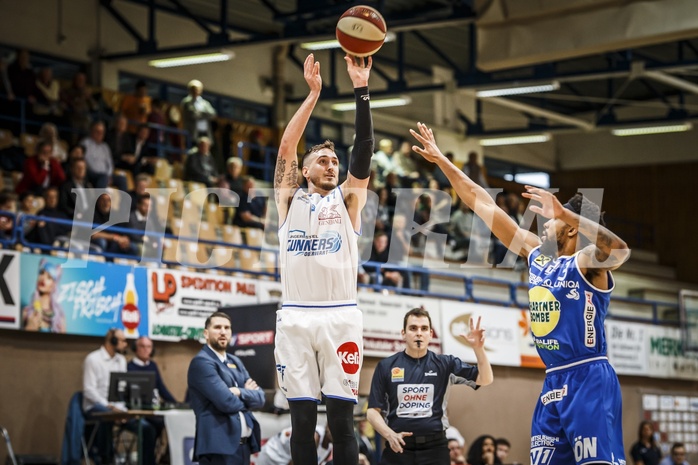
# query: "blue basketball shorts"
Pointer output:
{"type": "Point", "coordinates": [577, 418]}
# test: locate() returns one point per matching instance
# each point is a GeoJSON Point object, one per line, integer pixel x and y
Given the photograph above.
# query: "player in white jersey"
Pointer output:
{"type": "Point", "coordinates": [319, 330]}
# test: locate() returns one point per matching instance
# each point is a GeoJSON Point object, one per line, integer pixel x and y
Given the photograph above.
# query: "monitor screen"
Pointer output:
{"type": "Point", "coordinates": [135, 389]}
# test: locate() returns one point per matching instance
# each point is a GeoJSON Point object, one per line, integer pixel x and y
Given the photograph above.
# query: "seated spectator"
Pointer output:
{"type": "Point", "coordinates": [79, 104]}
{"type": "Point", "coordinates": [47, 232]}
{"type": "Point", "coordinates": [22, 77]}
{"type": "Point", "coordinates": [8, 204]}
{"type": "Point", "coordinates": [646, 451]}
{"type": "Point", "coordinates": [200, 165]}
{"type": "Point", "coordinates": [475, 171]}
{"type": "Point", "coordinates": [140, 186]}
{"type": "Point", "coordinates": [677, 456]}
{"type": "Point", "coordinates": [460, 228]}
{"type": "Point", "coordinates": [139, 218]}
{"type": "Point", "coordinates": [404, 164]}
{"type": "Point", "coordinates": [250, 213]}
{"type": "Point", "coordinates": [120, 143]}
{"type": "Point", "coordinates": [100, 165]}
{"type": "Point", "coordinates": [381, 253]}
{"type": "Point", "coordinates": [502, 447]}
{"type": "Point", "coordinates": [75, 152]}
{"type": "Point", "coordinates": [142, 361]}
{"type": "Point", "coordinates": [97, 370]}
{"type": "Point", "coordinates": [25, 206]}
{"type": "Point", "coordinates": [455, 451]}
{"type": "Point", "coordinates": [72, 193]}
{"type": "Point", "coordinates": [157, 117]}
{"type": "Point", "coordinates": [382, 162]}
{"type": "Point", "coordinates": [108, 240]}
{"type": "Point", "coordinates": [48, 95]}
{"type": "Point", "coordinates": [277, 449]}
{"type": "Point", "coordinates": [41, 171]}
{"type": "Point", "coordinates": [482, 451]}
{"type": "Point", "coordinates": [49, 133]}
{"type": "Point", "coordinates": [233, 176]}
{"type": "Point", "coordinates": [146, 157]}
{"type": "Point", "coordinates": [136, 107]}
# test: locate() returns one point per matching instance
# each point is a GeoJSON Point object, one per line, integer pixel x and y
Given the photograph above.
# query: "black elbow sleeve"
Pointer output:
{"type": "Point", "coordinates": [360, 162]}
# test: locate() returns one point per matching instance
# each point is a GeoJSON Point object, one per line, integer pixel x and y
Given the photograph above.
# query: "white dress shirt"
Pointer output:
{"type": "Point", "coordinates": [95, 377]}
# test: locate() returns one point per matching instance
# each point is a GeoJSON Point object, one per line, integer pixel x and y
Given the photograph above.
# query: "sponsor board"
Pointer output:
{"type": "Point", "coordinates": [88, 299]}
{"type": "Point", "coordinates": [179, 302]}
{"type": "Point", "coordinates": [502, 331]}
{"type": "Point", "coordinates": [9, 289]}
{"type": "Point", "coordinates": [383, 316]}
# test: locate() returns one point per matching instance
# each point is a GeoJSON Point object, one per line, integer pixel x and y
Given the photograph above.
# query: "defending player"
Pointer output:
{"type": "Point", "coordinates": [319, 330]}
{"type": "Point", "coordinates": [578, 416]}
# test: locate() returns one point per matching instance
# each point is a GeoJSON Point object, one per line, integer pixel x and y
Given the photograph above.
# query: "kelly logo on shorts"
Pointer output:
{"type": "Point", "coordinates": [349, 357]}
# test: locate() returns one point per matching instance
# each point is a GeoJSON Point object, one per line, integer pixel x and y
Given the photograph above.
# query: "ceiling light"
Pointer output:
{"type": "Point", "coordinates": [192, 59]}
{"type": "Point", "coordinates": [646, 130]}
{"type": "Point", "coordinates": [518, 90]}
{"type": "Point", "coordinates": [333, 43]}
{"type": "Point", "coordinates": [532, 139]}
{"type": "Point", "coordinates": [377, 103]}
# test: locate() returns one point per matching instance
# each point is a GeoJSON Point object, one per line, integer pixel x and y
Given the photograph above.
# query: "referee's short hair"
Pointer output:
{"type": "Point", "coordinates": [418, 312]}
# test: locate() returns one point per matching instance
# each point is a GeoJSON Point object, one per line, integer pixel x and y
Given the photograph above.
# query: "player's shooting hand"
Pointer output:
{"type": "Point", "coordinates": [548, 206]}
{"type": "Point", "coordinates": [476, 335]}
{"type": "Point", "coordinates": [430, 151]}
{"type": "Point", "coordinates": [359, 69]}
{"type": "Point", "coordinates": [311, 73]}
{"type": "Point", "coordinates": [251, 385]}
{"type": "Point", "coordinates": [396, 442]}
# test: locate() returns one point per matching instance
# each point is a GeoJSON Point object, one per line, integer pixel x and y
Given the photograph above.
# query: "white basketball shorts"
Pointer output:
{"type": "Point", "coordinates": [319, 350]}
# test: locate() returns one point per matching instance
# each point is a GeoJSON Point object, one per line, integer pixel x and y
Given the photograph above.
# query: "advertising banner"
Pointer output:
{"type": "Point", "coordinates": [627, 347]}
{"type": "Point", "coordinates": [88, 299]}
{"type": "Point", "coordinates": [383, 317]}
{"type": "Point", "coordinates": [502, 331]}
{"type": "Point", "coordinates": [9, 289]}
{"type": "Point", "coordinates": [180, 301]}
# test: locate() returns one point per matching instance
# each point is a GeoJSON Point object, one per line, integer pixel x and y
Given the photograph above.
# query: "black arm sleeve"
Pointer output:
{"type": "Point", "coordinates": [360, 162]}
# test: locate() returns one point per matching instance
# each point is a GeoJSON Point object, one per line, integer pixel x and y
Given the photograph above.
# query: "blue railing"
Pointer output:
{"type": "Point", "coordinates": [269, 163]}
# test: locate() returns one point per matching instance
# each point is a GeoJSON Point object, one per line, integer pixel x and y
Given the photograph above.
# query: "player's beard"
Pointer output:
{"type": "Point", "coordinates": [217, 345]}
{"type": "Point", "coordinates": [550, 246]}
{"type": "Point", "coordinates": [322, 183]}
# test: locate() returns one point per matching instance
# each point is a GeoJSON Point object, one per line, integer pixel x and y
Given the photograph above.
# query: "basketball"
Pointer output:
{"type": "Point", "coordinates": [361, 31]}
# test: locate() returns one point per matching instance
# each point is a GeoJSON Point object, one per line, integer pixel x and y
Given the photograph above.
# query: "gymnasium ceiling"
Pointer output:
{"type": "Point", "coordinates": [617, 63]}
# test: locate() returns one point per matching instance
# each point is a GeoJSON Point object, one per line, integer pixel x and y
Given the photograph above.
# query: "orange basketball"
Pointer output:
{"type": "Point", "coordinates": [361, 31]}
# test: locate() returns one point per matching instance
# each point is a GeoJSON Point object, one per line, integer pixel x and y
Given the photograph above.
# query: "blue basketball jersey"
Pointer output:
{"type": "Point", "coordinates": [567, 311]}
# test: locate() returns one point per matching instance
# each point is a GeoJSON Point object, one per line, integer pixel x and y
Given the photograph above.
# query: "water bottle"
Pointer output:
{"type": "Point", "coordinates": [156, 399]}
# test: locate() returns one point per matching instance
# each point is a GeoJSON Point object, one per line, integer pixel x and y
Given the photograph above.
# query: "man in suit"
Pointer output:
{"type": "Point", "coordinates": [222, 393]}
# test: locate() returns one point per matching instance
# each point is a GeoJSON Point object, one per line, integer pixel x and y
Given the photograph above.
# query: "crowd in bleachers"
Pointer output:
{"type": "Point", "coordinates": [77, 138]}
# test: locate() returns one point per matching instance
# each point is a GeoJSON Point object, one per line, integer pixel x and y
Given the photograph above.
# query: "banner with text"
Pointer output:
{"type": "Point", "coordinates": [648, 350]}
{"type": "Point", "coordinates": [506, 340]}
{"type": "Point", "coordinates": [180, 301]}
{"type": "Point", "coordinates": [383, 317]}
{"type": "Point", "coordinates": [88, 298]}
{"type": "Point", "coordinates": [9, 289]}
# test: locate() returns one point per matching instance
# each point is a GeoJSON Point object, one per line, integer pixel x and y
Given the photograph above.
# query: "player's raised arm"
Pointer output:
{"type": "Point", "coordinates": [359, 70]}
{"type": "Point", "coordinates": [518, 240]}
{"type": "Point", "coordinates": [286, 173]}
{"type": "Point", "coordinates": [607, 251]}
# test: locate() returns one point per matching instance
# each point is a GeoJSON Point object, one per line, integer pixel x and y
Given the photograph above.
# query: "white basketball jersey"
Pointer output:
{"type": "Point", "coordinates": [318, 249]}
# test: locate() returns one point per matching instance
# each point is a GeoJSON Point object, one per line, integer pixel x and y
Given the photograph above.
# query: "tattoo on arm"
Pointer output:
{"type": "Point", "coordinates": [292, 175]}
{"type": "Point", "coordinates": [279, 176]}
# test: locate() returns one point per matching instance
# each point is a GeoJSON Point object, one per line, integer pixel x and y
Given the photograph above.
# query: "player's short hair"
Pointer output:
{"type": "Point", "coordinates": [217, 315]}
{"type": "Point", "coordinates": [416, 312]}
{"type": "Point", "coordinates": [587, 209]}
{"type": "Point", "coordinates": [328, 144]}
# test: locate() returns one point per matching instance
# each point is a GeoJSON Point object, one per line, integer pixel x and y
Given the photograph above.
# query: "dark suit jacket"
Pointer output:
{"type": "Point", "coordinates": [216, 408]}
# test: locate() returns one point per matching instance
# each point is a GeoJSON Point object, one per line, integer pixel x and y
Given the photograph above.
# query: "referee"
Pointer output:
{"type": "Point", "coordinates": [412, 387]}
